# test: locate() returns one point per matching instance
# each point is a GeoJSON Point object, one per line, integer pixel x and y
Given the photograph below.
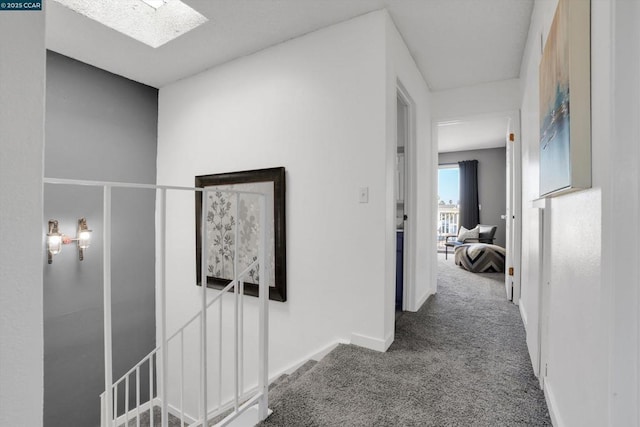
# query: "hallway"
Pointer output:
{"type": "Point", "coordinates": [460, 361]}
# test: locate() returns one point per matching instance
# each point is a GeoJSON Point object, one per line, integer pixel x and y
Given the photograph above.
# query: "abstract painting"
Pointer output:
{"type": "Point", "coordinates": [565, 120]}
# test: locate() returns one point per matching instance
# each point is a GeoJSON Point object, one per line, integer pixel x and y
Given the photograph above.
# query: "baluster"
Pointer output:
{"type": "Point", "coordinates": [164, 376]}
{"type": "Point", "coordinates": [263, 286]}
{"type": "Point", "coordinates": [151, 421]}
{"type": "Point", "coordinates": [126, 401]}
{"type": "Point", "coordinates": [236, 291]}
{"type": "Point", "coordinates": [204, 262]}
{"type": "Point", "coordinates": [115, 403]}
{"type": "Point", "coordinates": [235, 347]}
{"type": "Point", "coordinates": [106, 285]}
{"type": "Point", "coordinates": [182, 377]}
{"type": "Point", "coordinates": [241, 328]}
{"type": "Point", "coordinates": [137, 396]}
{"type": "Point", "coordinates": [220, 354]}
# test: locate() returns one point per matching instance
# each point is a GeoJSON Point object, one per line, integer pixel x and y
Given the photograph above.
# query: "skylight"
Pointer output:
{"type": "Point", "coordinates": [152, 22]}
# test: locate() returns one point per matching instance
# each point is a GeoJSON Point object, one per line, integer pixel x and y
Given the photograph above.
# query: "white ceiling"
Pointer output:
{"type": "Point", "coordinates": [454, 42]}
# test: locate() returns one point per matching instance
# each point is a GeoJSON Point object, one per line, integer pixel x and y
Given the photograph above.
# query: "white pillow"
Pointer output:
{"type": "Point", "coordinates": [464, 234]}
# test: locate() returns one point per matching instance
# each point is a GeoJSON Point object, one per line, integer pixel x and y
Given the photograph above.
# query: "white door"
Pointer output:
{"type": "Point", "coordinates": [513, 208]}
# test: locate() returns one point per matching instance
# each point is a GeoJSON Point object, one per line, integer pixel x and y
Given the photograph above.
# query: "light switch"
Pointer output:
{"type": "Point", "coordinates": [363, 195]}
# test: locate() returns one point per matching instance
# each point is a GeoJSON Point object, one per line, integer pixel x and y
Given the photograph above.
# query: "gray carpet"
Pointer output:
{"type": "Point", "coordinates": [460, 361]}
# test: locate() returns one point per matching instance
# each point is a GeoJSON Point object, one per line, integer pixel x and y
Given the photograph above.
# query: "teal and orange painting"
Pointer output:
{"type": "Point", "coordinates": [555, 117]}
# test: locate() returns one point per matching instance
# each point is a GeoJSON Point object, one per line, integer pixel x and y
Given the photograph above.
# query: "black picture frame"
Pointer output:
{"type": "Point", "coordinates": [278, 291]}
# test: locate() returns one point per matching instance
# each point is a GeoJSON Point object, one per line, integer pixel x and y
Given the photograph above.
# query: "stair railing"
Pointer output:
{"type": "Point", "coordinates": [156, 363]}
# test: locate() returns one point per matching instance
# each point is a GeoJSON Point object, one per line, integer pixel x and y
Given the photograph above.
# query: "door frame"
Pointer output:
{"type": "Point", "coordinates": [513, 220]}
{"type": "Point", "coordinates": [410, 184]}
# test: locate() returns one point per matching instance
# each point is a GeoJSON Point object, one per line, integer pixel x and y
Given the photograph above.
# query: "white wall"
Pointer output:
{"type": "Point", "coordinates": [579, 323]}
{"type": "Point", "coordinates": [317, 105]}
{"type": "Point", "coordinates": [621, 205]}
{"type": "Point", "coordinates": [22, 82]}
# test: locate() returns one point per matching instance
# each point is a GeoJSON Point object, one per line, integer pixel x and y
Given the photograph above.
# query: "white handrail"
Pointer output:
{"type": "Point", "coordinates": [210, 303]}
{"type": "Point", "coordinates": [136, 366]}
{"type": "Point", "coordinates": [110, 415]}
{"type": "Point", "coordinates": [115, 184]}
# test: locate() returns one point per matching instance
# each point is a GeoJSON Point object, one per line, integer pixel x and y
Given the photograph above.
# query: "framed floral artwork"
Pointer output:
{"type": "Point", "coordinates": [233, 228]}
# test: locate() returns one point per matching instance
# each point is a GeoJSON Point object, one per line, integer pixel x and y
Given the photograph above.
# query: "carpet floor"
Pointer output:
{"type": "Point", "coordinates": [461, 360]}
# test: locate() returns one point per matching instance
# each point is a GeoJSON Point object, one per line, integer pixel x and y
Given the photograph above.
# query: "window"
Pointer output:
{"type": "Point", "coordinates": [448, 202]}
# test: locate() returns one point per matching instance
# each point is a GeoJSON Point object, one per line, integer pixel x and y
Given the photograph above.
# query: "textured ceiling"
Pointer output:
{"type": "Point", "coordinates": [454, 42]}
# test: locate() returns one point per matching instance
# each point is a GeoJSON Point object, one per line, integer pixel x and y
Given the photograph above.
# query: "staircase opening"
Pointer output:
{"type": "Point", "coordinates": [211, 368]}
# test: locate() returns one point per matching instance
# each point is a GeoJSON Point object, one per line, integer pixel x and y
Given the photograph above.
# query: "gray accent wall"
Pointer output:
{"type": "Point", "coordinates": [492, 184]}
{"type": "Point", "coordinates": [99, 126]}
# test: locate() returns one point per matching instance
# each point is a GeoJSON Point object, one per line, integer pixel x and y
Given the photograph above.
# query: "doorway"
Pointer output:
{"type": "Point", "coordinates": [482, 138]}
{"type": "Point", "coordinates": [401, 181]}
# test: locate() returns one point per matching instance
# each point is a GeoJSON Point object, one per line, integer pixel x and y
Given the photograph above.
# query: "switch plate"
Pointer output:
{"type": "Point", "coordinates": [363, 195]}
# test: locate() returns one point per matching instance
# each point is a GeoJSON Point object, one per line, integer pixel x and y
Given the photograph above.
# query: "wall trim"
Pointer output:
{"type": "Point", "coordinates": [423, 299]}
{"type": "Point", "coordinates": [372, 343]}
{"type": "Point", "coordinates": [316, 355]}
{"type": "Point", "coordinates": [523, 314]}
{"type": "Point", "coordinates": [410, 196]}
{"type": "Point", "coordinates": [552, 405]}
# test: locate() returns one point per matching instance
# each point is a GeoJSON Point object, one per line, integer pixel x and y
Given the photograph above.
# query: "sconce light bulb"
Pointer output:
{"type": "Point", "coordinates": [55, 244]}
{"type": "Point", "coordinates": [84, 239]}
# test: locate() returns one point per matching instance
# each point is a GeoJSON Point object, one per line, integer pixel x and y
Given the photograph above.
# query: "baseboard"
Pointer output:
{"type": "Point", "coordinates": [552, 405]}
{"type": "Point", "coordinates": [523, 314]}
{"type": "Point", "coordinates": [421, 301]}
{"type": "Point", "coordinates": [319, 354]}
{"type": "Point", "coordinates": [316, 355]}
{"type": "Point", "coordinates": [372, 343]}
{"type": "Point", "coordinates": [389, 340]}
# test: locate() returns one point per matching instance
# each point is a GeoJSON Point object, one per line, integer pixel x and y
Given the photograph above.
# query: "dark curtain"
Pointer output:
{"type": "Point", "coordinates": [469, 212]}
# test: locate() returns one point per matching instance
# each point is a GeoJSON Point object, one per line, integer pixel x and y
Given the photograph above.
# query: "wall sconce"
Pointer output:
{"type": "Point", "coordinates": [55, 239]}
